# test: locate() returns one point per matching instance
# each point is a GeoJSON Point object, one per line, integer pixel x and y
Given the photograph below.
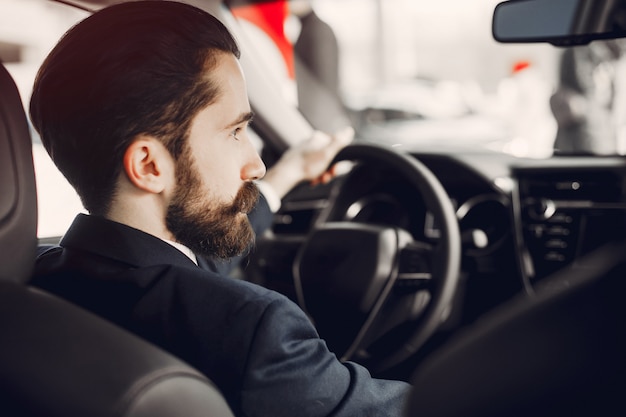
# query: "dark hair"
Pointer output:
{"type": "Point", "coordinates": [133, 68]}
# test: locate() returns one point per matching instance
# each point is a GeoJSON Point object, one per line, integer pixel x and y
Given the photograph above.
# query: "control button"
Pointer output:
{"type": "Point", "coordinates": [537, 230]}
{"type": "Point", "coordinates": [568, 185]}
{"type": "Point", "coordinates": [542, 209]}
{"type": "Point", "coordinates": [556, 244]}
{"type": "Point", "coordinates": [554, 256]}
{"type": "Point", "coordinates": [561, 218]}
{"type": "Point", "coordinates": [558, 231]}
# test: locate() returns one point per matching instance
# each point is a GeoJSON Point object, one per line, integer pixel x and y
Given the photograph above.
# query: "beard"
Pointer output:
{"type": "Point", "coordinates": [208, 228]}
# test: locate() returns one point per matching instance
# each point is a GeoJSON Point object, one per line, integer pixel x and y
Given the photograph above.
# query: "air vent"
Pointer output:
{"type": "Point", "coordinates": [592, 186]}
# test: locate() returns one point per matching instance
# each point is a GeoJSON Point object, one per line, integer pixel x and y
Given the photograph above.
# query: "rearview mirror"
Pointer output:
{"type": "Point", "coordinates": [559, 22]}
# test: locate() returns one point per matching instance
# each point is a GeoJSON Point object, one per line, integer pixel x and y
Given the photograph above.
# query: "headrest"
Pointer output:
{"type": "Point", "coordinates": [18, 195]}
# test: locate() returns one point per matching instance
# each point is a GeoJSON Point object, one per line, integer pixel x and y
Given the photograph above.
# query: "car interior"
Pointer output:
{"type": "Point", "coordinates": [501, 297]}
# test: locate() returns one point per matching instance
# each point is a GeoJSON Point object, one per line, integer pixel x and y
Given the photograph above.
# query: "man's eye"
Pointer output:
{"type": "Point", "coordinates": [235, 133]}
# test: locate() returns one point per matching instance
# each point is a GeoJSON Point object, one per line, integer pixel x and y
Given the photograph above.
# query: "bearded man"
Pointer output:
{"type": "Point", "coordinates": [143, 107]}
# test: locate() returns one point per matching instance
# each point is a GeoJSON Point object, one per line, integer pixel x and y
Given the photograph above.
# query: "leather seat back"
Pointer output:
{"type": "Point", "coordinates": [558, 353]}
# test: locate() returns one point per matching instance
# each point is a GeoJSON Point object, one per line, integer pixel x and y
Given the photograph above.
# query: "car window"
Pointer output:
{"type": "Point", "coordinates": [28, 30]}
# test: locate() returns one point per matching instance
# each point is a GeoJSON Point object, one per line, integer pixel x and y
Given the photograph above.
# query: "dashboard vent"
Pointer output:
{"type": "Point", "coordinates": [592, 186]}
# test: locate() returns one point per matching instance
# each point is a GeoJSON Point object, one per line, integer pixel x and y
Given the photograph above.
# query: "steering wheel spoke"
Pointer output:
{"type": "Point", "coordinates": [414, 268]}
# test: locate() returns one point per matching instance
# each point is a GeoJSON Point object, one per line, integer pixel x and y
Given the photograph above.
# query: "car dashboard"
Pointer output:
{"type": "Point", "coordinates": [520, 219]}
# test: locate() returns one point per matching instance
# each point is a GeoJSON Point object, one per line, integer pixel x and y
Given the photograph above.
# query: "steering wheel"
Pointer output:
{"type": "Point", "coordinates": [360, 283]}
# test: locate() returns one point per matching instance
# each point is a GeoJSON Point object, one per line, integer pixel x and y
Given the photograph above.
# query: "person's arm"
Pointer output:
{"type": "Point", "coordinates": [308, 161]}
{"type": "Point", "coordinates": [290, 371]}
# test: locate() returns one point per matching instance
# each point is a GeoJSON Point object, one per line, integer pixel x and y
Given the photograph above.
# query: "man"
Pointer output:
{"type": "Point", "coordinates": [588, 104]}
{"type": "Point", "coordinates": [143, 107]}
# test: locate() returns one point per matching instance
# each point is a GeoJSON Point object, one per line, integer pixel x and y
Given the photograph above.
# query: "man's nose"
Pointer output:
{"type": "Point", "coordinates": [254, 168]}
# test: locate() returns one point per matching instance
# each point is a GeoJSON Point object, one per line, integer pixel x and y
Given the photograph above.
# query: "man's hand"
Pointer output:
{"type": "Point", "coordinates": [308, 161]}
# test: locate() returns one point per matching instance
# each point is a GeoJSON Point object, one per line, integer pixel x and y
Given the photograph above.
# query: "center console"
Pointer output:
{"type": "Point", "coordinates": [562, 214]}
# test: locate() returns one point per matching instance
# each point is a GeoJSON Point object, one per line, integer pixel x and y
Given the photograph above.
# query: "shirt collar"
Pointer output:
{"type": "Point", "coordinates": [184, 249]}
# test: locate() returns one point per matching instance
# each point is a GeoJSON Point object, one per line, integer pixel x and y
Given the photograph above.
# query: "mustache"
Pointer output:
{"type": "Point", "coordinates": [246, 199]}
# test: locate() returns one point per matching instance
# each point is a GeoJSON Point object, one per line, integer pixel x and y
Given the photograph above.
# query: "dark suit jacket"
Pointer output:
{"type": "Point", "coordinates": [255, 344]}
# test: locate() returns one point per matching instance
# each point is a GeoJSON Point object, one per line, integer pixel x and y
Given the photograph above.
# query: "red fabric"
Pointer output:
{"type": "Point", "coordinates": [520, 66]}
{"type": "Point", "coordinates": [270, 17]}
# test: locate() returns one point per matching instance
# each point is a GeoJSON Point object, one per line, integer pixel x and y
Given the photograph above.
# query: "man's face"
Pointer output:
{"type": "Point", "coordinates": [205, 226]}
{"type": "Point", "coordinates": [214, 191]}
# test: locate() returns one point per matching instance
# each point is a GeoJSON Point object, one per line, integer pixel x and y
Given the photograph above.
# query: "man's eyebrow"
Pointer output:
{"type": "Point", "coordinates": [243, 118]}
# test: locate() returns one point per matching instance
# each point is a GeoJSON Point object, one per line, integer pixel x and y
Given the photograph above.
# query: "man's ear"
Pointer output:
{"type": "Point", "coordinates": [148, 164]}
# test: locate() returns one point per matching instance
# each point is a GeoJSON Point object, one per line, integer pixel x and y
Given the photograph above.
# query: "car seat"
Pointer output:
{"type": "Point", "coordinates": [559, 352]}
{"type": "Point", "coordinates": [55, 358]}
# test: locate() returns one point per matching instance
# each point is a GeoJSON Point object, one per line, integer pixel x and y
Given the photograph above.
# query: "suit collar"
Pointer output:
{"type": "Point", "coordinates": [121, 242]}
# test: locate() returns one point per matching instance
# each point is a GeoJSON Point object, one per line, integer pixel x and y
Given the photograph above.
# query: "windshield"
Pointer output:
{"type": "Point", "coordinates": [428, 73]}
